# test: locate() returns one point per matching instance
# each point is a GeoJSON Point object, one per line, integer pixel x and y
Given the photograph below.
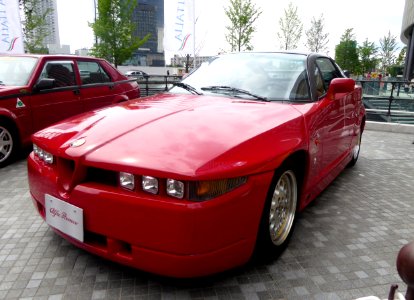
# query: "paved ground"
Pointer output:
{"type": "Point", "coordinates": [344, 247]}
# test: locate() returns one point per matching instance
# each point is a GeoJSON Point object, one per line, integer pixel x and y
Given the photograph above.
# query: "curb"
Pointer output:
{"type": "Point", "coordinates": [389, 127]}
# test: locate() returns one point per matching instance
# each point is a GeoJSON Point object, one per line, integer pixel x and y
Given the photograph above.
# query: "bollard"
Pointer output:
{"type": "Point", "coordinates": [405, 267]}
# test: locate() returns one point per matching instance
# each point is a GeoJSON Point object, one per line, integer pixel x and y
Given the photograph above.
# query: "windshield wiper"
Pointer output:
{"type": "Point", "coordinates": [187, 87]}
{"type": "Point", "coordinates": [223, 88]}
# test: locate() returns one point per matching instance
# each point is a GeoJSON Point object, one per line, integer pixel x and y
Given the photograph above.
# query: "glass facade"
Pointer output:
{"type": "Point", "coordinates": [52, 26]}
{"type": "Point", "coordinates": [149, 18]}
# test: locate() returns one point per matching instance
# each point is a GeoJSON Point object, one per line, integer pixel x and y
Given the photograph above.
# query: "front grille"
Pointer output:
{"type": "Point", "coordinates": [65, 169]}
{"type": "Point", "coordinates": [94, 239]}
{"type": "Point", "coordinates": [101, 176]}
{"type": "Point", "coordinates": [117, 247]}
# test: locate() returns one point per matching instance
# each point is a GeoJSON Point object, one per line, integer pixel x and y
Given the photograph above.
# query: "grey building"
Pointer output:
{"type": "Point", "coordinates": [149, 18]}
{"type": "Point", "coordinates": [52, 22]}
{"type": "Point", "coordinates": [181, 61]}
{"type": "Point", "coordinates": [407, 37]}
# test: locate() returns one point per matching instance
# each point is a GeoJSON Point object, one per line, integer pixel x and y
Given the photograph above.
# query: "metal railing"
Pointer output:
{"type": "Point", "coordinates": [385, 101]}
{"type": "Point", "coordinates": [388, 101]}
{"type": "Point", "coordinates": [154, 84]}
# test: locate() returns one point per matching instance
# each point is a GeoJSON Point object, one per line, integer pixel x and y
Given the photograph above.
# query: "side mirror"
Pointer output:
{"type": "Point", "coordinates": [341, 85]}
{"type": "Point", "coordinates": [44, 84]}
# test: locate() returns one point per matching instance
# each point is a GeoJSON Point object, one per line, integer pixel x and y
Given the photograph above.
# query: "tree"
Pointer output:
{"type": "Point", "coordinates": [316, 39]}
{"type": "Point", "coordinates": [242, 15]}
{"type": "Point", "coordinates": [398, 67]}
{"type": "Point", "coordinates": [401, 57]}
{"type": "Point", "coordinates": [388, 47]}
{"type": "Point", "coordinates": [346, 53]}
{"type": "Point", "coordinates": [34, 26]}
{"type": "Point", "coordinates": [114, 31]}
{"type": "Point", "coordinates": [290, 28]}
{"type": "Point", "coordinates": [367, 56]}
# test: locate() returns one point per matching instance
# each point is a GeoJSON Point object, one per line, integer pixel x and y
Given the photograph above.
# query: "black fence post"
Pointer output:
{"type": "Point", "coordinates": [390, 99]}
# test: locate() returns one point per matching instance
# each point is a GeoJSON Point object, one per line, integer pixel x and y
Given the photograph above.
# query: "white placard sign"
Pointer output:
{"type": "Point", "coordinates": [64, 216]}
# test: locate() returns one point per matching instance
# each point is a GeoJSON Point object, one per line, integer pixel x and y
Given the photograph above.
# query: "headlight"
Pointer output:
{"type": "Point", "coordinates": [36, 149]}
{"type": "Point", "coordinates": [42, 154]}
{"type": "Point", "coordinates": [175, 188]}
{"type": "Point", "coordinates": [208, 189]}
{"type": "Point", "coordinates": [150, 184]}
{"type": "Point", "coordinates": [47, 157]}
{"type": "Point", "coordinates": [127, 180]}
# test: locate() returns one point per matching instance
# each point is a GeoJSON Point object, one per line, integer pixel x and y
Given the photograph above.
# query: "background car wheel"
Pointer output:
{"type": "Point", "coordinates": [279, 214]}
{"type": "Point", "coordinates": [8, 144]}
{"type": "Point", "coordinates": [356, 150]}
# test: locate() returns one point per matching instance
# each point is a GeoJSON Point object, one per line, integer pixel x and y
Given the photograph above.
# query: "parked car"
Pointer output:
{"type": "Point", "coordinates": [194, 181]}
{"type": "Point", "coordinates": [136, 74]}
{"type": "Point", "coordinates": [39, 90]}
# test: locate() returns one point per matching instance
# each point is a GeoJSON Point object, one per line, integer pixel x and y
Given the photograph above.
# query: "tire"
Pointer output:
{"type": "Point", "coordinates": [279, 214]}
{"type": "Point", "coordinates": [8, 144]}
{"type": "Point", "coordinates": [356, 150]}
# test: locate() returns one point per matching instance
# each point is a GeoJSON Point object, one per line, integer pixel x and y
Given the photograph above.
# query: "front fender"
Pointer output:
{"type": "Point", "coordinates": [11, 118]}
{"type": "Point", "coordinates": [265, 152]}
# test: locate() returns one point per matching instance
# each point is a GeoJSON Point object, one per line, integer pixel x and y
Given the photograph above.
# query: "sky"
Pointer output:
{"type": "Point", "coordinates": [370, 19]}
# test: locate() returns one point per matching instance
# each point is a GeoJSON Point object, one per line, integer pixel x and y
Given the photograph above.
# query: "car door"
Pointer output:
{"type": "Point", "coordinates": [57, 102]}
{"type": "Point", "coordinates": [334, 130]}
{"type": "Point", "coordinates": [97, 88]}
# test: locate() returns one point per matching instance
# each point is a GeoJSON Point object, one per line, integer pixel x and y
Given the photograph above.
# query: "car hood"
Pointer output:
{"type": "Point", "coordinates": [185, 135]}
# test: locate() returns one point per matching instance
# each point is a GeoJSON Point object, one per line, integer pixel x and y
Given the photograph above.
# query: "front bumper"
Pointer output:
{"type": "Point", "coordinates": [157, 234]}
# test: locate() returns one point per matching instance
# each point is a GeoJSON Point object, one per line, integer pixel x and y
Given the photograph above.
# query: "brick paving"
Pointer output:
{"type": "Point", "coordinates": [345, 244]}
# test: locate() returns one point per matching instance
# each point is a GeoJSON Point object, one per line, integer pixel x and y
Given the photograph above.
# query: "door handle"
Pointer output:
{"type": "Point", "coordinates": [76, 92]}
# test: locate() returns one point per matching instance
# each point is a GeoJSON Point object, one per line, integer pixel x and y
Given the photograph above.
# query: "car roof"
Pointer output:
{"type": "Point", "coordinates": [53, 56]}
{"type": "Point", "coordinates": [277, 52]}
{"type": "Point", "coordinates": [310, 56]}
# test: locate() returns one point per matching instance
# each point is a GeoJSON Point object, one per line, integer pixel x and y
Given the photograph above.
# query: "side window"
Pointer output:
{"type": "Point", "coordinates": [320, 87]}
{"type": "Point", "coordinates": [60, 71]}
{"type": "Point", "coordinates": [328, 71]}
{"type": "Point", "coordinates": [300, 90]}
{"type": "Point", "coordinates": [91, 72]}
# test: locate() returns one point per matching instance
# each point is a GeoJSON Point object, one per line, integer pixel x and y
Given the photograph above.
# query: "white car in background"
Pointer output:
{"type": "Point", "coordinates": [137, 74]}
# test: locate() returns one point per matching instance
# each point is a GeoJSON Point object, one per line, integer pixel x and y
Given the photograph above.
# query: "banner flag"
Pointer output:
{"type": "Point", "coordinates": [11, 35]}
{"type": "Point", "coordinates": [179, 27]}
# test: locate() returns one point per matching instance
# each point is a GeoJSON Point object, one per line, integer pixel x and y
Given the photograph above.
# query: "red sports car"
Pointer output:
{"type": "Point", "coordinates": [194, 181]}
{"type": "Point", "coordinates": [39, 90]}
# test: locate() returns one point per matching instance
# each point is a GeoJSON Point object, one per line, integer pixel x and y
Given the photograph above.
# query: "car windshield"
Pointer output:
{"type": "Point", "coordinates": [15, 70]}
{"type": "Point", "coordinates": [260, 76]}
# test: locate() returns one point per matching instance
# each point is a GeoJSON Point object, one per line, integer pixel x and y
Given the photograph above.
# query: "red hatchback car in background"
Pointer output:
{"type": "Point", "coordinates": [39, 90]}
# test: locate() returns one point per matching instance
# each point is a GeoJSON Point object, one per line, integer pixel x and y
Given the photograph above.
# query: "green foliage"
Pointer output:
{"type": "Point", "coordinates": [242, 15]}
{"type": "Point", "coordinates": [395, 70]}
{"type": "Point", "coordinates": [290, 28]}
{"type": "Point", "coordinates": [114, 30]}
{"type": "Point", "coordinates": [398, 67]}
{"type": "Point", "coordinates": [368, 57]}
{"type": "Point", "coordinates": [34, 26]}
{"type": "Point", "coordinates": [348, 35]}
{"type": "Point", "coordinates": [401, 57]}
{"type": "Point", "coordinates": [388, 47]}
{"type": "Point", "coordinates": [316, 39]}
{"type": "Point", "coordinates": [346, 52]}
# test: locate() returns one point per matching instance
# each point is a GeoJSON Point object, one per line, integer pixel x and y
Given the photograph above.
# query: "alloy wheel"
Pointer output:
{"type": "Point", "coordinates": [6, 144]}
{"type": "Point", "coordinates": [283, 208]}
